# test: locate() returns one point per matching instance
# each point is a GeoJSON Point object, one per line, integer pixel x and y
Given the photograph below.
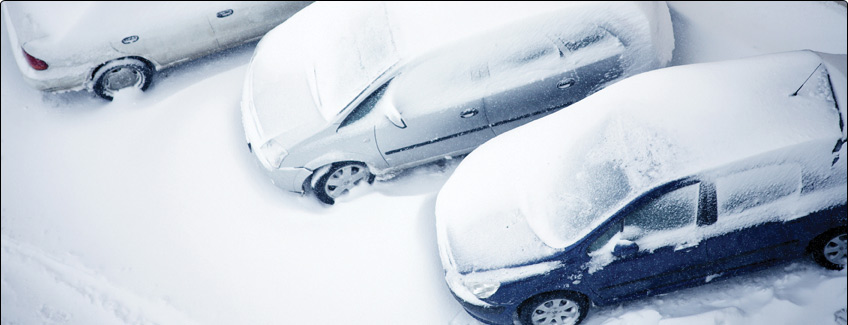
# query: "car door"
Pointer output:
{"type": "Point", "coordinates": [431, 132]}
{"type": "Point", "coordinates": [440, 111]}
{"type": "Point", "coordinates": [186, 35]}
{"type": "Point", "coordinates": [650, 245]}
{"type": "Point", "coordinates": [751, 207]}
{"type": "Point", "coordinates": [547, 76]}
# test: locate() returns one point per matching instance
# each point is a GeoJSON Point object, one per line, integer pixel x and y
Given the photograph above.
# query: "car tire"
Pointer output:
{"type": "Point", "coordinates": [339, 179]}
{"type": "Point", "coordinates": [828, 249]}
{"type": "Point", "coordinates": [558, 307]}
{"type": "Point", "coordinates": [120, 74]}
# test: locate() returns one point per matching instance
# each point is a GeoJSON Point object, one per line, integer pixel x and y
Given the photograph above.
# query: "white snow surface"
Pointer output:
{"type": "Point", "coordinates": [150, 209]}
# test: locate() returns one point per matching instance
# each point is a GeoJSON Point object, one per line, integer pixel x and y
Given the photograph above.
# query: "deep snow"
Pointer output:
{"type": "Point", "coordinates": [150, 209]}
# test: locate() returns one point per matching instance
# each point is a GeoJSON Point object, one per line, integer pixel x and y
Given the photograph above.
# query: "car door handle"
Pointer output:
{"type": "Point", "coordinates": [225, 13]}
{"type": "Point", "coordinates": [566, 83]}
{"type": "Point", "coordinates": [468, 113]}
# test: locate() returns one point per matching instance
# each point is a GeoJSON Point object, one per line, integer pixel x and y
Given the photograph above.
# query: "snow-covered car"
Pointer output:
{"type": "Point", "coordinates": [669, 179]}
{"type": "Point", "coordinates": [105, 46]}
{"type": "Point", "coordinates": [385, 86]}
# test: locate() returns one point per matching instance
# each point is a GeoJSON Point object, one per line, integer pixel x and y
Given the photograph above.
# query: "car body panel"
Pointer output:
{"type": "Point", "coordinates": [434, 133]}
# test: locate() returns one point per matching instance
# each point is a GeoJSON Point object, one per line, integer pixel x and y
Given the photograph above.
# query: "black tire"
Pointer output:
{"type": "Point", "coordinates": [340, 179]}
{"type": "Point", "coordinates": [828, 249]}
{"type": "Point", "coordinates": [120, 74]}
{"type": "Point", "coordinates": [558, 307]}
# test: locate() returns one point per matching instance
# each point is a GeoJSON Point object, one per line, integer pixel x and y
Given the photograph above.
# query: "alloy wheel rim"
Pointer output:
{"type": "Point", "coordinates": [344, 179]}
{"type": "Point", "coordinates": [556, 311]}
{"type": "Point", "coordinates": [122, 77]}
{"type": "Point", "coordinates": [835, 250]}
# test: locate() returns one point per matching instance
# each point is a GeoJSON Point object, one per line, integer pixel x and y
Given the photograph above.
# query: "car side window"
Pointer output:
{"type": "Point", "coordinates": [675, 209]}
{"type": "Point", "coordinates": [595, 37]}
{"type": "Point", "coordinates": [755, 187]}
{"type": "Point", "coordinates": [543, 56]}
{"type": "Point", "coordinates": [365, 107]}
{"type": "Point", "coordinates": [604, 238]}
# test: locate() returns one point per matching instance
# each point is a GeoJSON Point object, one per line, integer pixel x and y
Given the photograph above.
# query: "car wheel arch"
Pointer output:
{"type": "Point", "coordinates": [816, 245]}
{"type": "Point", "coordinates": [349, 176]}
{"type": "Point", "coordinates": [120, 73]}
{"type": "Point", "coordinates": [150, 65]}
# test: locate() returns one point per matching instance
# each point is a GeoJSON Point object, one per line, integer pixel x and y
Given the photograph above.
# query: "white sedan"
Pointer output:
{"type": "Point", "coordinates": [108, 46]}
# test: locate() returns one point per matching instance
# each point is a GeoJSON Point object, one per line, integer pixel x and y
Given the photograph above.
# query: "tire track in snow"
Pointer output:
{"type": "Point", "coordinates": [127, 306]}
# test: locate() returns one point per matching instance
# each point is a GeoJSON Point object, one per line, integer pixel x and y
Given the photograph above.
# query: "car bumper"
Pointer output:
{"type": "Point", "coordinates": [488, 314]}
{"type": "Point", "coordinates": [480, 310]}
{"type": "Point", "coordinates": [289, 179]}
{"type": "Point", "coordinates": [55, 78]}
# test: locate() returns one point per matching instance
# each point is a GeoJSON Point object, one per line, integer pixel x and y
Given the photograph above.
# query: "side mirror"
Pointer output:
{"type": "Point", "coordinates": [393, 116]}
{"type": "Point", "coordinates": [625, 249]}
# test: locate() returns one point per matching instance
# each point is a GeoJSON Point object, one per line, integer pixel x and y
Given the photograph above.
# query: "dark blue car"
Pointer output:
{"type": "Point", "coordinates": [622, 198]}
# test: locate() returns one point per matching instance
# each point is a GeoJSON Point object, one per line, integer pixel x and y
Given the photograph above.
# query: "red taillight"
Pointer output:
{"type": "Point", "coordinates": [34, 62]}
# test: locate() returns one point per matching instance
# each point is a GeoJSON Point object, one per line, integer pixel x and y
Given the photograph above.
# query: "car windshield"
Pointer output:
{"type": "Point", "coordinates": [297, 92]}
{"type": "Point", "coordinates": [349, 64]}
{"type": "Point", "coordinates": [595, 187]}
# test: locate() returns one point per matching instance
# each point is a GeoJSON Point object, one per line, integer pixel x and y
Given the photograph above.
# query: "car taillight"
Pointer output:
{"type": "Point", "coordinates": [34, 62]}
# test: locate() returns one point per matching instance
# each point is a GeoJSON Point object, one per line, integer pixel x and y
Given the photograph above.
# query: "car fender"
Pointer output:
{"type": "Point", "coordinates": [338, 156]}
{"type": "Point", "coordinates": [321, 165]}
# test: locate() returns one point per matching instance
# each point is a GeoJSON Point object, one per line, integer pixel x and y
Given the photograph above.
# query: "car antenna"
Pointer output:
{"type": "Point", "coordinates": [805, 81]}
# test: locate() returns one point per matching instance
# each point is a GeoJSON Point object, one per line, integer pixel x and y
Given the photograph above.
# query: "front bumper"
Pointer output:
{"type": "Point", "coordinates": [289, 179]}
{"type": "Point", "coordinates": [480, 310]}
{"type": "Point", "coordinates": [490, 314]}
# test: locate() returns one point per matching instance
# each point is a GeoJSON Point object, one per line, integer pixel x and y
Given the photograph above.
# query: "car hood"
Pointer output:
{"type": "Point", "coordinates": [301, 76]}
{"type": "Point", "coordinates": [487, 242]}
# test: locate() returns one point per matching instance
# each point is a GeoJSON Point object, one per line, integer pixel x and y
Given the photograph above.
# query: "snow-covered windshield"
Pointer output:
{"type": "Point", "coordinates": [349, 64]}
{"type": "Point", "coordinates": [650, 139]}
{"type": "Point", "coordinates": [305, 88]}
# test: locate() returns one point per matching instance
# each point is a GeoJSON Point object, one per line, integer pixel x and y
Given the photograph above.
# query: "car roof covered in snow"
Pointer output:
{"type": "Point", "coordinates": [563, 175]}
{"type": "Point", "coordinates": [329, 54]}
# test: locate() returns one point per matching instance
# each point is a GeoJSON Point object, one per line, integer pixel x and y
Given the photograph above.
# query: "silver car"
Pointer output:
{"type": "Point", "coordinates": [112, 45]}
{"type": "Point", "coordinates": [385, 86]}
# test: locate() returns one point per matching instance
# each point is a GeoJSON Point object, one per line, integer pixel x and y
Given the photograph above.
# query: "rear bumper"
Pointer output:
{"type": "Point", "coordinates": [55, 78]}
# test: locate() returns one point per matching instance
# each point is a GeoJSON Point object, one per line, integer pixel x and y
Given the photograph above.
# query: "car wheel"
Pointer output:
{"type": "Point", "coordinates": [120, 74]}
{"type": "Point", "coordinates": [340, 179]}
{"type": "Point", "coordinates": [560, 307]}
{"type": "Point", "coordinates": [829, 249]}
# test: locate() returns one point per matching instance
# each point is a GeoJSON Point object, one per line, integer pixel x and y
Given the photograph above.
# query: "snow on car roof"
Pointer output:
{"type": "Point", "coordinates": [565, 174]}
{"type": "Point", "coordinates": [340, 49]}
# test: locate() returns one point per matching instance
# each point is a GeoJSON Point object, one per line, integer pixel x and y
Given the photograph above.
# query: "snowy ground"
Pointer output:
{"type": "Point", "coordinates": [150, 209]}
